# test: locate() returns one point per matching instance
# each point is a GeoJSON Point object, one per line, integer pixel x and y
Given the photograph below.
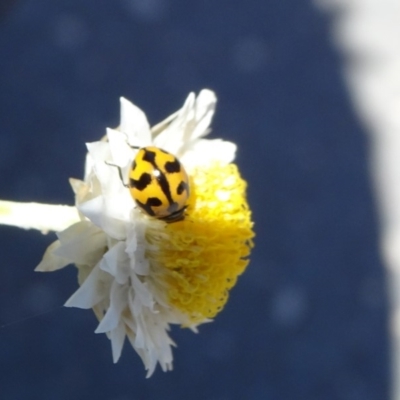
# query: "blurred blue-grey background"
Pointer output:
{"type": "Point", "coordinates": [309, 318]}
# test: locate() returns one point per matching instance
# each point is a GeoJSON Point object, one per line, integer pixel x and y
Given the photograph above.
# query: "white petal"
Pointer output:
{"type": "Point", "coordinates": [71, 232]}
{"type": "Point", "coordinates": [204, 151]}
{"type": "Point", "coordinates": [191, 123]}
{"type": "Point", "coordinates": [118, 301]}
{"type": "Point", "coordinates": [92, 210]}
{"type": "Point", "coordinates": [142, 295]}
{"type": "Point", "coordinates": [98, 151]}
{"type": "Point", "coordinates": [155, 342]}
{"type": "Point", "coordinates": [119, 205]}
{"type": "Point", "coordinates": [204, 112]}
{"type": "Point", "coordinates": [134, 124]}
{"type": "Point", "coordinates": [143, 340]}
{"type": "Point", "coordinates": [143, 353]}
{"type": "Point", "coordinates": [150, 339]}
{"type": "Point", "coordinates": [121, 153]}
{"type": "Point", "coordinates": [82, 243]}
{"type": "Point", "coordinates": [109, 213]}
{"type": "Point", "coordinates": [152, 363]}
{"type": "Point", "coordinates": [50, 261]}
{"type": "Point", "coordinates": [90, 293]}
{"type": "Point", "coordinates": [116, 263]}
{"type": "Point", "coordinates": [171, 139]}
{"type": "Point", "coordinates": [136, 248]}
{"type": "Point", "coordinates": [105, 174]}
{"type": "Point", "coordinates": [101, 177]}
{"type": "Point", "coordinates": [78, 186]}
{"type": "Point", "coordinates": [158, 128]}
{"type": "Point", "coordinates": [117, 337]}
{"type": "Point", "coordinates": [135, 311]}
{"type": "Point", "coordinates": [140, 264]}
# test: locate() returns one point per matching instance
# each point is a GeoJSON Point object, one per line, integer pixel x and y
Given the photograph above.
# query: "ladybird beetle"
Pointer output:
{"type": "Point", "coordinates": [159, 184]}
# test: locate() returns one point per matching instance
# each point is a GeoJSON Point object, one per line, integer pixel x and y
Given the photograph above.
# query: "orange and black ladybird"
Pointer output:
{"type": "Point", "coordinates": [159, 184]}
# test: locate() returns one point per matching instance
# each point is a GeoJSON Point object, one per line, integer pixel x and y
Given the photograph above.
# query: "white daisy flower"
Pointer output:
{"type": "Point", "coordinates": [138, 273]}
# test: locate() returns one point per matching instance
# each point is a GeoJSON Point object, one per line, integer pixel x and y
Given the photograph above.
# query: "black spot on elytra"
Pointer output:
{"type": "Point", "coordinates": [154, 202]}
{"type": "Point", "coordinates": [164, 185]}
{"type": "Point", "coordinates": [150, 157]}
{"type": "Point", "coordinates": [172, 166]}
{"type": "Point", "coordinates": [182, 187]}
{"type": "Point", "coordinates": [142, 183]}
{"type": "Point", "coordinates": [146, 208]}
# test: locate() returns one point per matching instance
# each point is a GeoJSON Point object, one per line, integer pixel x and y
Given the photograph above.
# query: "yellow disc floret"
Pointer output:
{"type": "Point", "coordinates": [204, 254]}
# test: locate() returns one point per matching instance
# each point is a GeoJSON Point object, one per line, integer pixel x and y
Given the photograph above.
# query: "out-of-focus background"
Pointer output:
{"type": "Point", "coordinates": [309, 319]}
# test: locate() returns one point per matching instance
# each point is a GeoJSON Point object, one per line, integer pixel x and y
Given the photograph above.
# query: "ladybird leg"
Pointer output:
{"type": "Point", "coordinates": [119, 172]}
{"type": "Point", "coordinates": [133, 147]}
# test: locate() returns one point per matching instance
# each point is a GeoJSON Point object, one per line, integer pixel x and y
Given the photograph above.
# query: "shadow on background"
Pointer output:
{"type": "Point", "coordinates": [308, 320]}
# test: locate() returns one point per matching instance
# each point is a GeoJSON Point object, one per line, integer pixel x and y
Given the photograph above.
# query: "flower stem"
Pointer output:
{"type": "Point", "coordinates": [43, 217]}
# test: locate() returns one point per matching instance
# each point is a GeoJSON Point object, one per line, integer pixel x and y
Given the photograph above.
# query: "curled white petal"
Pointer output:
{"type": "Point", "coordinates": [190, 123]}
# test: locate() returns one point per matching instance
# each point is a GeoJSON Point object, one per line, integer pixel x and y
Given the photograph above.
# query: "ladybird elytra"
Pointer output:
{"type": "Point", "coordinates": [159, 184]}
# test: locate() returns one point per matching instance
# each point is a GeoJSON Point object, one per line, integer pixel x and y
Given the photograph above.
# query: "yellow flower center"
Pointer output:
{"type": "Point", "coordinates": [204, 254]}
